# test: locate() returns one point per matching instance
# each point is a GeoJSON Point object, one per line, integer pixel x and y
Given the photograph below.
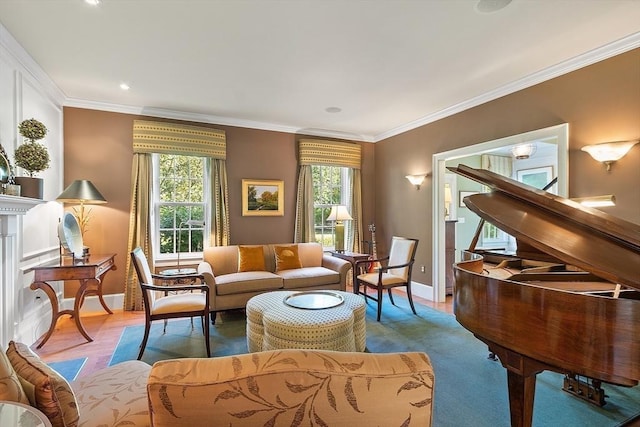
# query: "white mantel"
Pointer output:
{"type": "Point", "coordinates": [11, 207]}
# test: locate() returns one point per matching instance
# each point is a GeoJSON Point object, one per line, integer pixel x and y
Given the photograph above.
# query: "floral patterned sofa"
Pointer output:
{"type": "Point", "coordinates": [293, 387]}
{"type": "Point", "coordinates": [271, 388]}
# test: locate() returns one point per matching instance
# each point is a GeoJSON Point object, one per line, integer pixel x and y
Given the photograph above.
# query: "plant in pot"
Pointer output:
{"type": "Point", "coordinates": [32, 157]}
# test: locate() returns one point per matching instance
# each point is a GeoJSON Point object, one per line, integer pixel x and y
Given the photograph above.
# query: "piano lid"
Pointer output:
{"type": "Point", "coordinates": [590, 239]}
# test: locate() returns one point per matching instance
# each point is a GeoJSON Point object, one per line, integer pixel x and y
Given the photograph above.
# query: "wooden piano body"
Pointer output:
{"type": "Point", "coordinates": [580, 320]}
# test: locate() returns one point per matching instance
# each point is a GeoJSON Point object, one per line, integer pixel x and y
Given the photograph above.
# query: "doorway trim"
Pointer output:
{"type": "Point", "coordinates": [561, 134]}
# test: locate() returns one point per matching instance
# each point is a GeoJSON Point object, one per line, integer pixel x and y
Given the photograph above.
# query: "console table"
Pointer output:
{"type": "Point", "coordinates": [90, 272]}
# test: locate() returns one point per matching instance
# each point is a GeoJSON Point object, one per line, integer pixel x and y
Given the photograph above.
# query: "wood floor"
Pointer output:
{"type": "Point", "coordinates": [66, 342]}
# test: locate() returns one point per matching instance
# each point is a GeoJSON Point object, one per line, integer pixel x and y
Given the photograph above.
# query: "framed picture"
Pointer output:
{"type": "Point", "coordinates": [536, 177]}
{"type": "Point", "coordinates": [262, 197]}
{"type": "Point", "coordinates": [464, 194]}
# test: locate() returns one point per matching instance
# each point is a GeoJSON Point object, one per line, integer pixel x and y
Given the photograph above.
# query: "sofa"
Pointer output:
{"type": "Point", "coordinates": [236, 273]}
{"type": "Point", "coordinates": [278, 388]}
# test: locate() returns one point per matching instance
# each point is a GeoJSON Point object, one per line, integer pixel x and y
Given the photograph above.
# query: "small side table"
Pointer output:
{"type": "Point", "coordinates": [18, 414]}
{"type": "Point", "coordinates": [352, 257]}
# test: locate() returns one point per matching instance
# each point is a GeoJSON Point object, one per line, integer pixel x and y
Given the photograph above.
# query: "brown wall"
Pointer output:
{"type": "Point", "coordinates": [98, 147]}
{"type": "Point", "coordinates": [601, 103]}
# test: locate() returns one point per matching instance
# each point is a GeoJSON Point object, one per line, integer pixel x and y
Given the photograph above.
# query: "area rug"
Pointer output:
{"type": "Point", "coordinates": [69, 369]}
{"type": "Point", "coordinates": [470, 389]}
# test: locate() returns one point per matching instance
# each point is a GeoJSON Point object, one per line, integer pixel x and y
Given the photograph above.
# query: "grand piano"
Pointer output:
{"type": "Point", "coordinates": [567, 301]}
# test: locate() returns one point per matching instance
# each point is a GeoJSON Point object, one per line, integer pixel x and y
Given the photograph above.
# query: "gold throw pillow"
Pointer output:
{"type": "Point", "coordinates": [287, 257]}
{"type": "Point", "coordinates": [250, 258]}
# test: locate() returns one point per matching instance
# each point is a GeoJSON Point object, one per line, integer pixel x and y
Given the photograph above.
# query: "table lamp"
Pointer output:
{"type": "Point", "coordinates": [81, 191]}
{"type": "Point", "coordinates": [339, 214]}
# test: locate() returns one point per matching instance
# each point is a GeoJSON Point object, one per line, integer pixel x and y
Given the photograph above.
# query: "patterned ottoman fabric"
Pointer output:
{"type": "Point", "coordinates": [271, 324]}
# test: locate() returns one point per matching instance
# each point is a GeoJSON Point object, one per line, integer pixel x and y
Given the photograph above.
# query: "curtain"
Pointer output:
{"type": "Point", "coordinates": [304, 231]}
{"type": "Point", "coordinates": [499, 164]}
{"type": "Point", "coordinates": [328, 153]}
{"type": "Point", "coordinates": [139, 229]}
{"type": "Point", "coordinates": [171, 138]}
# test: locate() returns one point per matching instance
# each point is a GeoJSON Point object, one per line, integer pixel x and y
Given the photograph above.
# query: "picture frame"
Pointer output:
{"type": "Point", "coordinates": [535, 177]}
{"type": "Point", "coordinates": [462, 195]}
{"type": "Point", "coordinates": [253, 193]}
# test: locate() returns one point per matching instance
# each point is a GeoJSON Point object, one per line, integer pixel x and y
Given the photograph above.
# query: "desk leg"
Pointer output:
{"type": "Point", "coordinates": [56, 313]}
{"type": "Point", "coordinates": [84, 284]}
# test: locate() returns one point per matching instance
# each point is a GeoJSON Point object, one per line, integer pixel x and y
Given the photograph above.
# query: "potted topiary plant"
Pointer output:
{"type": "Point", "coordinates": [32, 157]}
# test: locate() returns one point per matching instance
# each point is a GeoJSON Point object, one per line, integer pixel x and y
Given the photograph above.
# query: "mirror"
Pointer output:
{"type": "Point", "coordinates": [4, 168]}
{"type": "Point", "coordinates": [70, 235]}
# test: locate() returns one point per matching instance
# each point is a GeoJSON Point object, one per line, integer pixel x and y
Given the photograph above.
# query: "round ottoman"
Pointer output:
{"type": "Point", "coordinates": [272, 324]}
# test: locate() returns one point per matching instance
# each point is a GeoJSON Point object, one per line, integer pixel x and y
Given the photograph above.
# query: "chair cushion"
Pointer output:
{"type": "Point", "coordinates": [179, 303]}
{"type": "Point", "coordinates": [249, 281]}
{"type": "Point", "coordinates": [53, 395]}
{"type": "Point", "coordinates": [308, 277]}
{"type": "Point", "coordinates": [250, 258]}
{"type": "Point", "coordinates": [387, 279]}
{"type": "Point", "coordinates": [287, 257]}
{"type": "Point", "coordinates": [10, 387]}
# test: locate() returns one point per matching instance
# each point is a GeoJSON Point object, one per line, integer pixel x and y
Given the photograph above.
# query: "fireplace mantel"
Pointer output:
{"type": "Point", "coordinates": [11, 207]}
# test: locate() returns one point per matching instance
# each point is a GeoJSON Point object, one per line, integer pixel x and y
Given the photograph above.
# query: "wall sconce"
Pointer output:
{"type": "Point", "coordinates": [597, 201]}
{"type": "Point", "coordinates": [339, 214]}
{"type": "Point", "coordinates": [524, 151]}
{"type": "Point", "coordinates": [609, 152]}
{"type": "Point", "coordinates": [416, 180]}
{"type": "Point", "coordinates": [81, 191]}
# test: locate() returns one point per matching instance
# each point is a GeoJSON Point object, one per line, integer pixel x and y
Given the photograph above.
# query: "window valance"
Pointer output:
{"type": "Point", "coordinates": [329, 153]}
{"type": "Point", "coordinates": [172, 138]}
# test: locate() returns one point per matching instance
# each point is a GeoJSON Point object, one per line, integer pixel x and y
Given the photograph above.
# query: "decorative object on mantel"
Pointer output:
{"type": "Point", "coordinates": [82, 191]}
{"type": "Point", "coordinates": [7, 183]}
{"type": "Point", "coordinates": [32, 157]}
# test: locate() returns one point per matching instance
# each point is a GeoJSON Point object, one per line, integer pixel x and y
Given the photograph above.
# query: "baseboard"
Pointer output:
{"type": "Point", "coordinates": [420, 290]}
{"type": "Point", "coordinates": [92, 303]}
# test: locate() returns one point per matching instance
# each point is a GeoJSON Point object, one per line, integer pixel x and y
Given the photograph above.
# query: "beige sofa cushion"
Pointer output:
{"type": "Point", "coordinates": [114, 396]}
{"type": "Point", "coordinates": [10, 388]}
{"type": "Point", "coordinates": [52, 393]}
{"type": "Point", "coordinates": [249, 281]}
{"type": "Point", "coordinates": [308, 277]}
{"type": "Point", "coordinates": [293, 387]}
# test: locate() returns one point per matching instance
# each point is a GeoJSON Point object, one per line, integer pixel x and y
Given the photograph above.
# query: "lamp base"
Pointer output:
{"type": "Point", "coordinates": [339, 237]}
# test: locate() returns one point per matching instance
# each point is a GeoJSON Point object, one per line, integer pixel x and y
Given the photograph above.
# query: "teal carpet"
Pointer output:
{"type": "Point", "coordinates": [69, 369]}
{"type": "Point", "coordinates": [470, 390]}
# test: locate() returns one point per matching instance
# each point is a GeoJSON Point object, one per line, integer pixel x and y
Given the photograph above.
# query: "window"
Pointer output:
{"type": "Point", "coordinates": [179, 190]}
{"type": "Point", "coordinates": [330, 187]}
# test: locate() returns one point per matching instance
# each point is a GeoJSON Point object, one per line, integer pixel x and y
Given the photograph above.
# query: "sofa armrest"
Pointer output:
{"type": "Point", "coordinates": [204, 268]}
{"type": "Point", "coordinates": [340, 265]}
{"type": "Point", "coordinates": [332, 388]}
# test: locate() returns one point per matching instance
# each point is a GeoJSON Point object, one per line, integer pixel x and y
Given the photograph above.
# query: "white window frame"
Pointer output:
{"type": "Point", "coordinates": [155, 213]}
{"type": "Point", "coordinates": [345, 191]}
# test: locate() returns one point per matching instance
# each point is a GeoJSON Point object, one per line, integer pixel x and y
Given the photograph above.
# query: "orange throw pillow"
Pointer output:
{"type": "Point", "coordinates": [287, 257]}
{"type": "Point", "coordinates": [250, 258]}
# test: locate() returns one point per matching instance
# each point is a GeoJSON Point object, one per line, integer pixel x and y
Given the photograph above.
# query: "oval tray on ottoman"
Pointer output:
{"type": "Point", "coordinates": [272, 324]}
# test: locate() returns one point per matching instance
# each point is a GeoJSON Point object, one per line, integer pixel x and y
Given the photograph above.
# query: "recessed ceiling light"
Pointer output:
{"type": "Point", "coordinates": [124, 86]}
{"type": "Point", "coordinates": [490, 6]}
{"type": "Point", "coordinates": [92, 2]}
{"type": "Point", "coordinates": [333, 109]}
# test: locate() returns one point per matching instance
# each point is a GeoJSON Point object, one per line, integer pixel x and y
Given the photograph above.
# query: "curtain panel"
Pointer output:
{"type": "Point", "coordinates": [151, 137]}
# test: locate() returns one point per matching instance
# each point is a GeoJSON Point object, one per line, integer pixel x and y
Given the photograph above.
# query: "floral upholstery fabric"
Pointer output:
{"type": "Point", "coordinates": [115, 396]}
{"type": "Point", "coordinates": [293, 387]}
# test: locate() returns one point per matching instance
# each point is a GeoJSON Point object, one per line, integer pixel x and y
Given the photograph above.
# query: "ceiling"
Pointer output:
{"type": "Point", "coordinates": [388, 65]}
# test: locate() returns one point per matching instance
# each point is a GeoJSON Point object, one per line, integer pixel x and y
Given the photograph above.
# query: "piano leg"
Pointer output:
{"type": "Point", "coordinates": [521, 393]}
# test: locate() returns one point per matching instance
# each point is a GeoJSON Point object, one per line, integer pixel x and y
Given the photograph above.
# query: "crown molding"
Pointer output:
{"type": "Point", "coordinates": [596, 55]}
{"type": "Point", "coordinates": [30, 67]}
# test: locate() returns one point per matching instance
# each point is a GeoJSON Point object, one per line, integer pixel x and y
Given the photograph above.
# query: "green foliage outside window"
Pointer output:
{"type": "Point", "coordinates": [327, 192]}
{"type": "Point", "coordinates": [181, 198]}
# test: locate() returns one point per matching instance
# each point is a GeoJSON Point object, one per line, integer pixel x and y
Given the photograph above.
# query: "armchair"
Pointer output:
{"type": "Point", "coordinates": [169, 306]}
{"type": "Point", "coordinates": [395, 271]}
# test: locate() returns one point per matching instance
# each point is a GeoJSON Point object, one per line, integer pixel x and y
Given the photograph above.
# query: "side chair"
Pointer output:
{"type": "Point", "coordinates": [394, 271]}
{"type": "Point", "coordinates": [170, 306]}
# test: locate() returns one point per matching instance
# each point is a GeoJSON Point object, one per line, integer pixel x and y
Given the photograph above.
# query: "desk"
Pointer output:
{"type": "Point", "coordinates": [18, 414]}
{"type": "Point", "coordinates": [90, 272]}
{"type": "Point", "coordinates": [352, 257]}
